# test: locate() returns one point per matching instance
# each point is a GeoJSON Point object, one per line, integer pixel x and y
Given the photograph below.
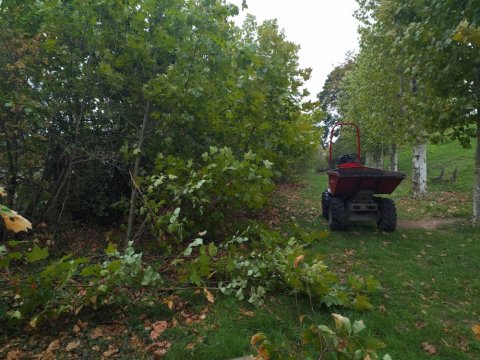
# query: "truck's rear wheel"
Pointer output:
{"type": "Point", "coordinates": [387, 219]}
{"type": "Point", "coordinates": [337, 218]}
{"type": "Point", "coordinates": [325, 202]}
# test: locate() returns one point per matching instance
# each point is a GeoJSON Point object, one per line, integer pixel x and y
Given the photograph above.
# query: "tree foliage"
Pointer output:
{"type": "Point", "coordinates": [417, 73]}
{"type": "Point", "coordinates": [92, 91]}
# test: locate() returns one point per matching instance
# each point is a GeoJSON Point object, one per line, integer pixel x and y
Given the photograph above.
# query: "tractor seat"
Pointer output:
{"type": "Point", "coordinates": [347, 158]}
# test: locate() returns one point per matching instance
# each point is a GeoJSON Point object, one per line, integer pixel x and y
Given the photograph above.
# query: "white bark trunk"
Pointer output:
{"type": "Point", "coordinates": [378, 159]}
{"type": "Point", "coordinates": [369, 159]}
{"type": "Point", "coordinates": [393, 157]}
{"type": "Point", "coordinates": [476, 189]}
{"type": "Point", "coordinates": [419, 170]}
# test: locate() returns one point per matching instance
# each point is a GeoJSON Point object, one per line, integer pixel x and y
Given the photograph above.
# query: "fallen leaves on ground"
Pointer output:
{"type": "Point", "coordinates": [73, 345]}
{"type": "Point", "coordinates": [136, 342]}
{"type": "Point", "coordinates": [159, 348]}
{"type": "Point", "coordinates": [111, 351]}
{"type": "Point", "coordinates": [429, 348]}
{"type": "Point", "coordinates": [14, 355]}
{"type": "Point", "coordinates": [209, 295]}
{"type": "Point", "coordinates": [79, 326]}
{"type": "Point", "coordinates": [157, 329]}
{"type": "Point", "coordinates": [54, 346]}
{"type": "Point", "coordinates": [476, 331]}
{"type": "Point", "coordinates": [247, 313]}
{"type": "Point", "coordinates": [191, 318]}
{"type": "Point", "coordinates": [107, 330]}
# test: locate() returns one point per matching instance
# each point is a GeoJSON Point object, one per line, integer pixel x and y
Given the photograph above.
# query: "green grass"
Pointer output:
{"type": "Point", "coordinates": [442, 200]}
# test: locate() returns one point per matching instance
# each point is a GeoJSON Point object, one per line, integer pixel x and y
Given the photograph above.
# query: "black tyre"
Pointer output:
{"type": "Point", "coordinates": [337, 217]}
{"type": "Point", "coordinates": [325, 204]}
{"type": "Point", "coordinates": [387, 214]}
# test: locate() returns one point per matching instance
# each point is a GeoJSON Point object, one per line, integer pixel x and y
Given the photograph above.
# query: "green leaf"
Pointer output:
{"type": "Point", "coordinates": [15, 255]}
{"type": "Point", "coordinates": [212, 249]}
{"type": "Point", "coordinates": [372, 284]}
{"type": "Point", "coordinates": [36, 254]}
{"type": "Point", "coordinates": [90, 270]}
{"type": "Point", "coordinates": [358, 326]}
{"type": "Point", "coordinates": [16, 315]}
{"type": "Point", "coordinates": [13, 243]}
{"type": "Point", "coordinates": [361, 303]}
{"type": "Point", "coordinates": [111, 249]}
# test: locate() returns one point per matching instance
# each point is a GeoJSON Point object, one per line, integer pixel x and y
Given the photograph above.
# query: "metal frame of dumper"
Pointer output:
{"type": "Point", "coordinates": [351, 189]}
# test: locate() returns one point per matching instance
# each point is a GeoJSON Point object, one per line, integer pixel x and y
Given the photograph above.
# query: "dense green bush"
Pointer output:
{"type": "Point", "coordinates": [183, 198]}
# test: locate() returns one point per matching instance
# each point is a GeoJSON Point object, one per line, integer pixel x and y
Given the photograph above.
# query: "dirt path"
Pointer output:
{"type": "Point", "coordinates": [426, 224]}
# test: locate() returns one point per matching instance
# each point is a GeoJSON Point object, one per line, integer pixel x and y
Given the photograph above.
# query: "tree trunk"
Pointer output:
{"type": "Point", "coordinates": [393, 157]}
{"type": "Point", "coordinates": [476, 189]}
{"type": "Point", "coordinates": [378, 159]}
{"type": "Point", "coordinates": [369, 159]}
{"type": "Point", "coordinates": [136, 169]}
{"type": "Point", "coordinates": [419, 170]}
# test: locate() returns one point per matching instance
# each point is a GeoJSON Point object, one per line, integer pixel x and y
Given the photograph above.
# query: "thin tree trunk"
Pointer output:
{"type": "Point", "coordinates": [369, 159]}
{"type": "Point", "coordinates": [476, 189]}
{"type": "Point", "coordinates": [378, 159]}
{"type": "Point", "coordinates": [393, 157]}
{"type": "Point", "coordinates": [419, 170]}
{"type": "Point", "coordinates": [11, 143]}
{"type": "Point", "coordinates": [136, 169]}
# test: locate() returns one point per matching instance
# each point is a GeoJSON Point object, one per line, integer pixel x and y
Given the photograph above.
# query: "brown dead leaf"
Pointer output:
{"type": "Point", "coordinates": [83, 325]}
{"type": "Point", "coordinates": [349, 252]}
{"type": "Point", "coordinates": [14, 355]}
{"type": "Point", "coordinates": [257, 338]}
{"type": "Point", "coordinates": [111, 351]}
{"type": "Point", "coordinates": [136, 342]}
{"type": "Point", "coordinates": [76, 329]}
{"type": "Point", "coordinates": [429, 348]}
{"type": "Point", "coordinates": [298, 260]}
{"type": "Point", "coordinates": [247, 313]}
{"type": "Point", "coordinates": [157, 354]}
{"type": "Point", "coordinates": [159, 348]}
{"type": "Point", "coordinates": [174, 322]}
{"type": "Point", "coordinates": [382, 309]}
{"type": "Point", "coordinates": [157, 329]}
{"type": "Point", "coordinates": [476, 331]}
{"type": "Point", "coordinates": [192, 345]}
{"type": "Point", "coordinates": [53, 346]}
{"type": "Point", "coordinates": [107, 331]}
{"type": "Point", "coordinates": [73, 345]}
{"type": "Point", "coordinates": [420, 324]}
{"type": "Point", "coordinates": [209, 295]}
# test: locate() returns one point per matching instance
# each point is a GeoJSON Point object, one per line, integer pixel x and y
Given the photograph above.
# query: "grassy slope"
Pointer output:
{"type": "Point", "coordinates": [443, 200]}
